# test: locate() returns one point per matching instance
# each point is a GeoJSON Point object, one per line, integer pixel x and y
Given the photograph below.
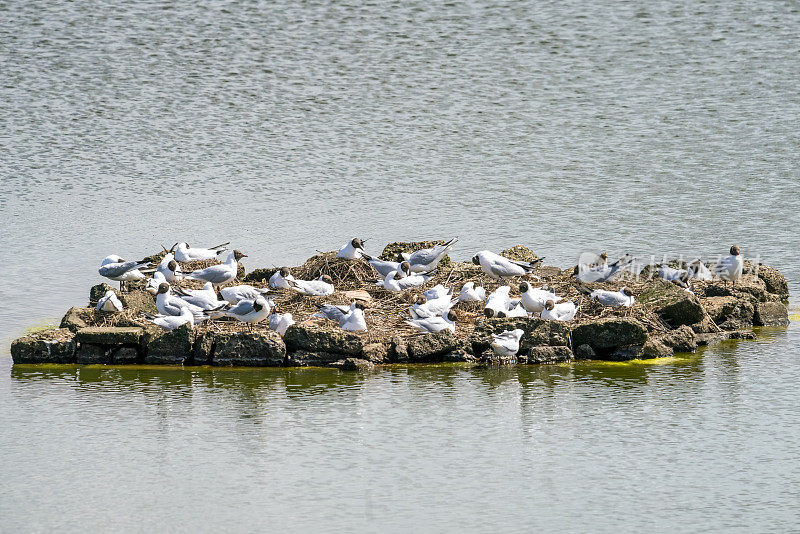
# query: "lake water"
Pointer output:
{"type": "Point", "coordinates": [290, 127]}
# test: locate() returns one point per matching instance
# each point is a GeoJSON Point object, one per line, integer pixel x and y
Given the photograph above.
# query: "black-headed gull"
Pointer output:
{"type": "Point", "coordinates": [247, 311]}
{"type": "Point", "coordinates": [355, 321]}
{"type": "Point", "coordinates": [669, 273]}
{"type": "Point", "coordinates": [698, 271]}
{"type": "Point", "coordinates": [730, 267]}
{"type": "Point", "coordinates": [383, 267]}
{"type": "Point", "coordinates": [352, 250]}
{"type": "Point", "coordinates": [614, 299]}
{"type": "Point", "coordinates": [234, 294]}
{"type": "Point", "coordinates": [564, 311]}
{"type": "Point", "coordinates": [498, 302]}
{"type": "Point", "coordinates": [109, 302]}
{"type": "Point", "coordinates": [438, 291]}
{"type": "Point", "coordinates": [205, 298]}
{"type": "Point", "coordinates": [470, 293]}
{"type": "Point", "coordinates": [170, 269]}
{"type": "Point", "coordinates": [506, 344]}
{"type": "Point", "coordinates": [168, 304]}
{"type": "Point", "coordinates": [534, 298]}
{"type": "Point", "coordinates": [183, 252]}
{"type": "Point", "coordinates": [219, 274]}
{"type": "Point", "coordinates": [152, 284]}
{"type": "Point", "coordinates": [395, 282]}
{"type": "Point", "coordinates": [428, 325]}
{"type": "Point", "coordinates": [280, 279]}
{"type": "Point", "coordinates": [604, 272]}
{"type": "Point", "coordinates": [115, 268]}
{"type": "Point", "coordinates": [279, 322]}
{"type": "Point", "coordinates": [316, 288]}
{"type": "Point", "coordinates": [426, 260]}
{"type": "Point", "coordinates": [171, 322]}
{"type": "Point", "coordinates": [424, 307]}
{"type": "Point", "coordinates": [498, 267]}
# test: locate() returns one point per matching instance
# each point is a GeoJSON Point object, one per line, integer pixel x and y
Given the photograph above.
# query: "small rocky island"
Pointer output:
{"type": "Point", "coordinates": [664, 319]}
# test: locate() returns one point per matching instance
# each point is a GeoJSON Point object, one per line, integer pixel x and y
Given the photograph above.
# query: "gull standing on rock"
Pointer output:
{"type": "Point", "coordinates": [234, 294]}
{"type": "Point", "coordinates": [431, 325]}
{"type": "Point", "coordinates": [219, 274]}
{"type": "Point", "coordinates": [506, 344]}
{"type": "Point", "coordinates": [426, 260]}
{"type": "Point", "coordinates": [613, 299]}
{"type": "Point", "coordinates": [183, 252]}
{"type": "Point", "coordinates": [316, 288]}
{"type": "Point", "coordinates": [470, 293]}
{"type": "Point", "coordinates": [564, 311]}
{"type": "Point", "coordinates": [115, 268]}
{"type": "Point", "coordinates": [534, 298]}
{"type": "Point", "coordinates": [109, 302]}
{"type": "Point", "coordinates": [730, 267]}
{"type": "Point", "coordinates": [280, 279]}
{"type": "Point", "coordinates": [498, 267]}
{"type": "Point", "coordinates": [353, 250]}
{"type": "Point", "coordinates": [171, 322]}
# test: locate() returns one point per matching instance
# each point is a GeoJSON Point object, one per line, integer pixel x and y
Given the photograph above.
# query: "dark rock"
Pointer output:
{"type": "Point", "coordinates": [490, 357]}
{"type": "Point", "coordinates": [749, 288]}
{"type": "Point", "coordinates": [460, 355]}
{"type": "Point", "coordinates": [585, 352]}
{"type": "Point", "coordinates": [353, 364]}
{"type": "Point", "coordinates": [249, 349]}
{"type": "Point", "coordinates": [125, 356]}
{"type": "Point", "coordinates": [171, 348]}
{"type": "Point", "coordinates": [730, 313]}
{"type": "Point", "coordinates": [774, 282]}
{"type": "Point", "coordinates": [49, 346]}
{"type": "Point", "coordinates": [520, 253]}
{"type": "Point", "coordinates": [203, 350]}
{"type": "Point", "coordinates": [655, 348]}
{"type": "Point", "coordinates": [322, 339]}
{"type": "Point", "coordinates": [431, 347]}
{"type": "Point", "coordinates": [771, 314]}
{"type": "Point", "coordinates": [682, 339]}
{"type": "Point", "coordinates": [706, 326]}
{"type": "Point", "coordinates": [77, 318]}
{"type": "Point", "coordinates": [259, 275]}
{"type": "Point", "coordinates": [545, 354]}
{"type": "Point", "coordinates": [109, 335]}
{"type": "Point", "coordinates": [538, 332]}
{"type": "Point", "coordinates": [398, 351]}
{"type": "Point", "coordinates": [97, 292]}
{"type": "Point", "coordinates": [714, 337]}
{"type": "Point", "coordinates": [302, 358]}
{"type": "Point", "coordinates": [139, 300]}
{"type": "Point", "coordinates": [605, 334]}
{"type": "Point", "coordinates": [392, 251]}
{"type": "Point", "coordinates": [93, 354]}
{"type": "Point", "coordinates": [674, 305]}
{"type": "Point", "coordinates": [376, 352]}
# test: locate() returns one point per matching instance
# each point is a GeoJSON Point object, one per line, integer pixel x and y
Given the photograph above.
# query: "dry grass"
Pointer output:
{"type": "Point", "coordinates": [386, 309]}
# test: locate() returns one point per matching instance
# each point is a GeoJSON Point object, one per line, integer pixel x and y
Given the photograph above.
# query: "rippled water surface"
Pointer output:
{"type": "Point", "coordinates": [290, 127]}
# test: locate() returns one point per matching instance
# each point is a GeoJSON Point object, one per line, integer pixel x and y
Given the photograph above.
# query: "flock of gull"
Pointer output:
{"type": "Point", "coordinates": [432, 311]}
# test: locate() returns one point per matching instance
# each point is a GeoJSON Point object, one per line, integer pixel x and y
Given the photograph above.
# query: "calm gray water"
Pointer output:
{"type": "Point", "coordinates": [290, 127]}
